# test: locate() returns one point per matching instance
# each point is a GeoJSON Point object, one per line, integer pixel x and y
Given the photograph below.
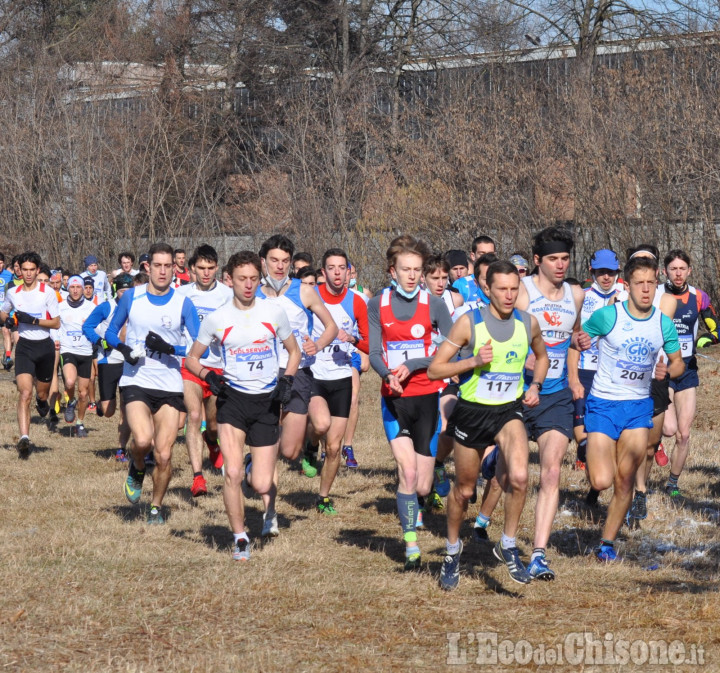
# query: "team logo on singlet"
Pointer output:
{"type": "Point", "coordinates": [637, 349]}
{"type": "Point", "coordinates": [553, 319]}
{"type": "Point", "coordinates": [511, 357]}
{"type": "Point", "coordinates": [417, 330]}
{"type": "Point", "coordinates": [166, 322]}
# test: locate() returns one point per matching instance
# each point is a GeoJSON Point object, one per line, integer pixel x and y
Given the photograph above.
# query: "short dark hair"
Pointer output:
{"type": "Point", "coordinates": [241, 259]}
{"type": "Point", "coordinates": [126, 254]}
{"type": "Point", "coordinates": [277, 241]}
{"type": "Point", "coordinates": [159, 249]}
{"type": "Point", "coordinates": [481, 239]}
{"type": "Point", "coordinates": [676, 254]}
{"type": "Point", "coordinates": [140, 278]}
{"type": "Point", "coordinates": [551, 235]}
{"type": "Point", "coordinates": [334, 252]}
{"type": "Point", "coordinates": [435, 262]}
{"type": "Point", "coordinates": [44, 268]}
{"type": "Point", "coordinates": [487, 259]}
{"type": "Point", "coordinates": [643, 247]}
{"type": "Point", "coordinates": [206, 252]}
{"type": "Point", "coordinates": [499, 266]}
{"type": "Point", "coordinates": [303, 257]}
{"type": "Point", "coordinates": [30, 256]}
{"type": "Point", "coordinates": [636, 263]}
{"type": "Point", "coordinates": [305, 272]}
{"type": "Point", "coordinates": [179, 251]}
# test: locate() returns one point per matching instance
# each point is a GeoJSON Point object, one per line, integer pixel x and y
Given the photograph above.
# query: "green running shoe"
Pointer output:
{"type": "Point", "coordinates": [309, 466]}
{"type": "Point", "coordinates": [133, 483]}
{"type": "Point", "coordinates": [325, 506]}
{"type": "Point", "coordinates": [412, 562]}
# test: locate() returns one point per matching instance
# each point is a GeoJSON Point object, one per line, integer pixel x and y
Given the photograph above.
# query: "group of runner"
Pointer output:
{"type": "Point", "coordinates": [476, 356]}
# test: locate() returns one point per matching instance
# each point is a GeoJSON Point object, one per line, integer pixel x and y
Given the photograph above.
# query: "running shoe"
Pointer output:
{"type": "Point", "coordinates": [480, 533]}
{"type": "Point", "coordinates": [69, 413]}
{"type": "Point", "coordinates": [673, 491]}
{"type": "Point", "coordinates": [308, 465]}
{"type": "Point", "coordinates": [419, 523]}
{"type": "Point", "coordinates": [120, 456]}
{"type": "Point", "coordinates": [216, 458]}
{"type": "Point", "coordinates": [434, 501]}
{"type": "Point", "coordinates": [489, 464]}
{"type": "Point", "coordinates": [199, 486]}
{"type": "Point", "coordinates": [325, 506]}
{"type": "Point", "coordinates": [53, 421]}
{"type": "Point", "coordinates": [592, 497]}
{"type": "Point", "coordinates": [511, 558]}
{"type": "Point", "coordinates": [133, 483]}
{"type": "Point", "coordinates": [42, 406]}
{"type": "Point", "coordinates": [270, 526]}
{"type": "Point", "coordinates": [413, 561]}
{"type": "Point", "coordinates": [579, 466]}
{"type": "Point", "coordinates": [450, 571]}
{"type": "Point", "coordinates": [349, 457]}
{"type": "Point", "coordinates": [638, 509]}
{"type": "Point", "coordinates": [606, 554]}
{"type": "Point", "coordinates": [241, 550]}
{"type": "Point", "coordinates": [155, 516]}
{"type": "Point", "coordinates": [23, 446]}
{"type": "Point", "coordinates": [441, 482]}
{"type": "Point", "coordinates": [92, 406]}
{"type": "Point", "coordinates": [80, 431]}
{"type": "Point", "coordinates": [661, 458]}
{"type": "Point", "coordinates": [539, 569]}
{"type": "Point", "coordinates": [8, 364]}
{"type": "Point", "coordinates": [150, 461]}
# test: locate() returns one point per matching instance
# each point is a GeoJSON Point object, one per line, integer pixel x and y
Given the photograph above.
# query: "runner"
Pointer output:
{"type": "Point", "coordinates": [151, 384]}
{"type": "Point", "coordinates": [248, 333]}
{"type": "Point", "coordinates": [6, 283]}
{"type": "Point", "coordinates": [557, 306]}
{"type": "Point", "coordinates": [496, 341]}
{"type": "Point", "coordinates": [354, 285]}
{"type": "Point", "coordinates": [458, 263]}
{"type": "Point", "coordinates": [182, 273]}
{"type": "Point", "coordinates": [125, 260]}
{"type": "Point", "coordinates": [207, 295]}
{"type": "Point", "coordinates": [35, 310]}
{"type": "Point", "coordinates": [76, 354]}
{"type": "Point", "coordinates": [467, 285]}
{"type": "Point", "coordinates": [110, 362]}
{"type": "Point", "coordinates": [693, 305]}
{"type": "Point", "coordinates": [604, 271]}
{"type": "Point", "coordinates": [331, 391]}
{"type": "Point", "coordinates": [302, 305]}
{"type": "Point", "coordinates": [618, 413]}
{"type": "Point", "coordinates": [301, 260]}
{"type": "Point", "coordinates": [101, 284]}
{"type": "Point", "coordinates": [402, 321]}
{"type": "Point", "coordinates": [520, 263]}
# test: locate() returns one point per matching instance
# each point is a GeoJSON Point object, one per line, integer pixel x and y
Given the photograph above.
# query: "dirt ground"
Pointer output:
{"type": "Point", "coordinates": [88, 586]}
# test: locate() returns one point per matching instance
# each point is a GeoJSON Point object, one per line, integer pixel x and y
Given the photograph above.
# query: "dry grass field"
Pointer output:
{"type": "Point", "coordinates": [88, 586]}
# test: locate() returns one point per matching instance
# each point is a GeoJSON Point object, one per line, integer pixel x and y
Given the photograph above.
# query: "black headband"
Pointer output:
{"type": "Point", "coordinates": [552, 248]}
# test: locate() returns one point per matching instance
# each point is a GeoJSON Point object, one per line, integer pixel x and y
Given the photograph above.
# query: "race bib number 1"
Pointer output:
{"type": "Point", "coordinates": [399, 352]}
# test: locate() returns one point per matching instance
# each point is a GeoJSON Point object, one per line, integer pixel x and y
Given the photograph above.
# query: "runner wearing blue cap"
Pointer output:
{"type": "Point", "coordinates": [99, 278]}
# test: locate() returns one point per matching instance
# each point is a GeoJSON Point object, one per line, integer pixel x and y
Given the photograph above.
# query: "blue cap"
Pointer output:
{"type": "Point", "coordinates": [519, 261]}
{"type": "Point", "coordinates": [605, 259]}
{"type": "Point", "coordinates": [90, 259]}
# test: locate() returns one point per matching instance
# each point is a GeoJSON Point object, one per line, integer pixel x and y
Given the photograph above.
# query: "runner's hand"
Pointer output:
{"type": "Point", "coordinates": [155, 342]}
{"type": "Point", "coordinates": [283, 390]}
{"type": "Point", "coordinates": [128, 354]}
{"type": "Point", "coordinates": [215, 382]}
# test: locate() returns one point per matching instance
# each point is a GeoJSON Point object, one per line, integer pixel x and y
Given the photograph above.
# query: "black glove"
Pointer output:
{"type": "Point", "coordinates": [10, 322]}
{"type": "Point", "coordinates": [127, 354]}
{"type": "Point", "coordinates": [283, 390]}
{"type": "Point", "coordinates": [215, 381]}
{"type": "Point", "coordinates": [26, 318]}
{"type": "Point", "coordinates": [155, 342]}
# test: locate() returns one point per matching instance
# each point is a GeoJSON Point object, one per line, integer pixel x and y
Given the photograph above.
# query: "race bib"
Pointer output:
{"type": "Point", "coordinates": [399, 352]}
{"type": "Point", "coordinates": [254, 360]}
{"type": "Point", "coordinates": [632, 374]}
{"type": "Point", "coordinates": [498, 387]}
{"type": "Point", "coordinates": [557, 362]}
{"type": "Point", "coordinates": [686, 345]}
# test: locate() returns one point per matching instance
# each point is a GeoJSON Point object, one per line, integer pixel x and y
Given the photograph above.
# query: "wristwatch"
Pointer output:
{"type": "Point", "coordinates": [538, 384]}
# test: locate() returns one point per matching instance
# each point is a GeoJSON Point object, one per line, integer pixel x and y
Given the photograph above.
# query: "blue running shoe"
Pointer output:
{"type": "Point", "coordinates": [349, 456]}
{"type": "Point", "coordinates": [155, 517]}
{"type": "Point", "coordinates": [69, 412]}
{"type": "Point", "coordinates": [133, 483]}
{"type": "Point", "coordinates": [441, 481]}
{"type": "Point", "coordinates": [606, 554]}
{"type": "Point", "coordinates": [539, 569]}
{"type": "Point", "coordinates": [450, 571]}
{"type": "Point", "coordinates": [489, 465]}
{"type": "Point", "coordinates": [511, 558]}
